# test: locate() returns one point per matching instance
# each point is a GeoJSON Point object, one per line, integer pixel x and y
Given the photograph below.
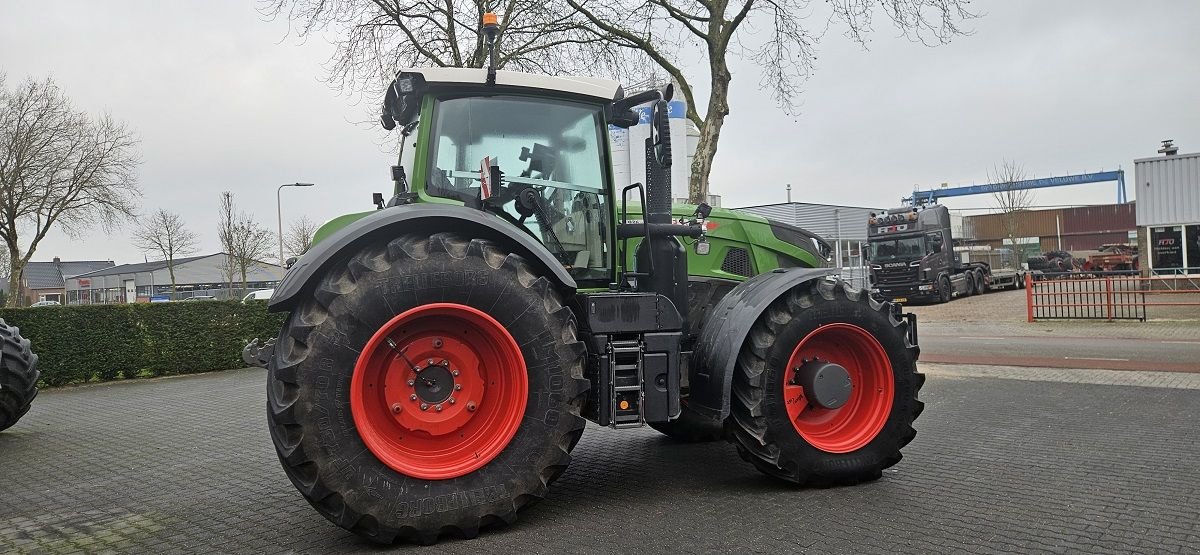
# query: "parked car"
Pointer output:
{"type": "Point", "coordinates": [201, 298]}
{"type": "Point", "coordinates": [45, 303]}
{"type": "Point", "coordinates": [260, 295]}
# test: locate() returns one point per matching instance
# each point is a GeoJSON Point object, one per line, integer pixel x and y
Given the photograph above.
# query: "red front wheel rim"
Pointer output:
{"type": "Point", "coordinates": [856, 423]}
{"type": "Point", "coordinates": [439, 391]}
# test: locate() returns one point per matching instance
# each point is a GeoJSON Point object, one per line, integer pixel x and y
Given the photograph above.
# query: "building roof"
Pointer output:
{"type": "Point", "coordinates": [141, 266]}
{"type": "Point", "coordinates": [50, 275]}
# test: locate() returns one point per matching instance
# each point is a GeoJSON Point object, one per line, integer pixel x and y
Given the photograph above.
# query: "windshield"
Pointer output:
{"type": "Point", "coordinates": [897, 249]}
{"type": "Point", "coordinates": [551, 147]}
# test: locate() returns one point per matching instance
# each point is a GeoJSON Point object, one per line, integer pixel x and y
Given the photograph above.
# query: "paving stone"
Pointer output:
{"type": "Point", "coordinates": [1087, 461]}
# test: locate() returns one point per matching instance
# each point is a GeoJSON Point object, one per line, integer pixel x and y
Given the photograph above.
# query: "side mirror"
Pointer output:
{"type": "Point", "coordinates": [660, 134]}
{"type": "Point", "coordinates": [402, 101]}
{"type": "Point", "coordinates": [621, 113]}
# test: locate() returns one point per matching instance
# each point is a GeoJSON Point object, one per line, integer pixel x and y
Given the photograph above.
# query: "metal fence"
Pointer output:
{"type": "Point", "coordinates": [857, 276]}
{"type": "Point", "coordinates": [1109, 296]}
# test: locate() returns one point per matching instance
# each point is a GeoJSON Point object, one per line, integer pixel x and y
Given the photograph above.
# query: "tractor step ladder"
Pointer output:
{"type": "Point", "coordinates": [626, 363]}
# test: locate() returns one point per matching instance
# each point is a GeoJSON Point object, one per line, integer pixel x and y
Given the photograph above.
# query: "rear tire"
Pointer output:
{"type": "Point", "coordinates": [328, 406]}
{"type": "Point", "coordinates": [825, 447]}
{"type": "Point", "coordinates": [18, 375]}
{"type": "Point", "coordinates": [972, 286]}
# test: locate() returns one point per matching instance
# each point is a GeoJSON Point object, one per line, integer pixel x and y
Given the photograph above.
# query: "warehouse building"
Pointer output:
{"type": "Point", "coordinates": [196, 276]}
{"type": "Point", "coordinates": [46, 281]}
{"type": "Point", "coordinates": [844, 227]}
{"type": "Point", "coordinates": [1168, 212]}
{"type": "Point", "coordinates": [1079, 229]}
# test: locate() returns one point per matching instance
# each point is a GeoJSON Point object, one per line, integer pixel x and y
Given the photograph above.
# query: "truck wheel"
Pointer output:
{"type": "Point", "coordinates": [825, 391]}
{"type": "Point", "coordinates": [18, 375]}
{"type": "Point", "coordinates": [944, 291]}
{"type": "Point", "coordinates": [980, 285]}
{"type": "Point", "coordinates": [429, 385]}
{"type": "Point", "coordinates": [691, 427]}
{"type": "Point", "coordinates": [972, 287]}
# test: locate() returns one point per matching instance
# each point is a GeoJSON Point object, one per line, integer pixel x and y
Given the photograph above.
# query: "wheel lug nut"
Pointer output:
{"type": "Point", "coordinates": [438, 407]}
{"type": "Point", "coordinates": [424, 406]}
{"type": "Point", "coordinates": [457, 387]}
{"type": "Point", "coordinates": [411, 383]}
{"type": "Point", "coordinates": [455, 372]}
{"type": "Point", "coordinates": [431, 362]}
{"type": "Point", "coordinates": [396, 408]}
{"type": "Point", "coordinates": [471, 406]}
{"type": "Point", "coordinates": [445, 363]}
{"type": "Point", "coordinates": [451, 400]}
{"type": "Point", "coordinates": [412, 397]}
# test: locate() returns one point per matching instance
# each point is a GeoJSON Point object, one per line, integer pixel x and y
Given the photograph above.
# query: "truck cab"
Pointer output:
{"type": "Point", "coordinates": [911, 256]}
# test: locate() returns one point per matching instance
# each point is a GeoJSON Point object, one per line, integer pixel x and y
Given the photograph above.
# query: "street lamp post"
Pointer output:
{"type": "Point", "coordinates": [279, 214]}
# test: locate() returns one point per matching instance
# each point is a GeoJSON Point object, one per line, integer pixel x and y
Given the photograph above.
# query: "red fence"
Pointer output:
{"type": "Point", "coordinates": [1109, 296]}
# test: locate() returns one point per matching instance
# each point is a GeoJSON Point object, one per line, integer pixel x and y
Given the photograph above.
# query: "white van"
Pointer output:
{"type": "Point", "coordinates": [260, 295]}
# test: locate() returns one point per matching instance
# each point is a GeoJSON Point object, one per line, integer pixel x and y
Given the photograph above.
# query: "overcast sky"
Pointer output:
{"type": "Point", "coordinates": [224, 100]}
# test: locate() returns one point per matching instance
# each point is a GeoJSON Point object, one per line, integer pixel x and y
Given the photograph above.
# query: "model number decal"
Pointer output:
{"type": "Point", "coordinates": [453, 501]}
{"type": "Point", "coordinates": [438, 280]}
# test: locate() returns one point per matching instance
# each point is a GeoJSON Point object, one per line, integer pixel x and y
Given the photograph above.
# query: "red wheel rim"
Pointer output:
{"type": "Point", "coordinates": [853, 425]}
{"type": "Point", "coordinates": [472, 385]}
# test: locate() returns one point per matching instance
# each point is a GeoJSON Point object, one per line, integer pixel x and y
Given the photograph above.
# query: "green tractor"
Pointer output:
{"type": "Point", "coordinates": [443, 353]}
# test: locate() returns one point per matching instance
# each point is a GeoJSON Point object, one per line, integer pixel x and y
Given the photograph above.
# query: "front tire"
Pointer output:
{"type": "Point", "coordinates": [779, 425]}
{"type": "Point", "coordinates": [18, 375]}
{"type": "Point", "coordinates": [945, 293]}
{"type": "Point", "coordinates": [462, 407]}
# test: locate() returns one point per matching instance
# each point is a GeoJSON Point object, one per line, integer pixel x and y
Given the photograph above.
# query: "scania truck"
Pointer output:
{"type": "Point", "coordinates": [912, 258]}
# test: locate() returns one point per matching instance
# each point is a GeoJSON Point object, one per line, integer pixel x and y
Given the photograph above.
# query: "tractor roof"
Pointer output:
{"type": "Point", "coordinates": [602, 89]}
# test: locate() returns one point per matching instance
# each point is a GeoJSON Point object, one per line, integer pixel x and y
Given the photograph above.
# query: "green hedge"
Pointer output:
{"type": "Point", "coordinates": [87, 343]}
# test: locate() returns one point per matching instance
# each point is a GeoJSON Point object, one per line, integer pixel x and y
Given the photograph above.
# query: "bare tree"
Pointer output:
{"type": "Point", "coordinates": [246, 242]}
{"type": "Point", "coordinates": [1010, 200]}
{"type": "Point", "coordinates": [773, 34]}
{"type": "Point", "coordinates": [375, 38]}
{"type": "Point", "coordinates": [59, 167]}
{"type": "Point", "coordinates": [164, 234]}
{"type": "Point", "coordinates": [299, 237]}
{"type": "Point", "coordinates": [618, 38]}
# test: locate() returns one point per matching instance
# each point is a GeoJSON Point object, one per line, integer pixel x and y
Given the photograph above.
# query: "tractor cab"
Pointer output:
{"type": "Point", "coordinates": [530, 149]}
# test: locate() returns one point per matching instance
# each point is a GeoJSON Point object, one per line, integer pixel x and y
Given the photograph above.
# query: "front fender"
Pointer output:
{"type": "Point", "coordinates": [710, 372]}
{"type": "Point", "coordinates": [426, 218]}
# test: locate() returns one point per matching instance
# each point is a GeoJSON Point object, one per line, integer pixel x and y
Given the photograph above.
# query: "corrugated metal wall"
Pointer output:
{"type": "Point", "coordinates": [1087, 227]}
{"type": "Point", "coordinates": [1168, 189]}
{"type": "Point", "coordinates": [822, 219]}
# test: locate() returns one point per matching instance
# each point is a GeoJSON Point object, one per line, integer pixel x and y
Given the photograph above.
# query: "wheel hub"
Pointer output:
{"type": "Point", "coordinates": [434, 384]}
{"type": "Point", "coordinates": [826, 384]}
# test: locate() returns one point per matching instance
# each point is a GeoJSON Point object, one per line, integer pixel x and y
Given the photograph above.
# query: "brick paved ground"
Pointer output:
{"type": "Point", "coordinates": [999, 465]}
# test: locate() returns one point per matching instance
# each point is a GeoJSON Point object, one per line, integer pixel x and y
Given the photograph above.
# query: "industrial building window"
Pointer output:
{"type": "Point", "coordinates": [1166, 246]}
